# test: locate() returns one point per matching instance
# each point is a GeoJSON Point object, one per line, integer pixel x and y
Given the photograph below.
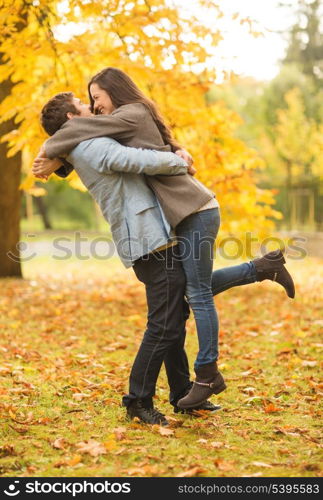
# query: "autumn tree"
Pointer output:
{"type": "Point", "coordinates": [294, 152]}
{"type": "Point", "coordinates": [302, 65]}
{"type": "Point", "coordinates": [299, 141]}
{"type": "Point", "coordinates": [306, 40]}
{"type": "Point", "coordinates": [165, 52]}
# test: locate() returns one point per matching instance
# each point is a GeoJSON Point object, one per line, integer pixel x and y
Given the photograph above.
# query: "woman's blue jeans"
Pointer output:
{"type": "Point", "coordinates": [196, 235]}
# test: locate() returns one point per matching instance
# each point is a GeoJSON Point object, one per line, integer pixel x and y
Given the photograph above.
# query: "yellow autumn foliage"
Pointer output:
{"type": "Point", "coordinates": [52, 46]}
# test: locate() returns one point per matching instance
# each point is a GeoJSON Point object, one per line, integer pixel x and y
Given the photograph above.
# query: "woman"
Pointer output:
{"type": "Point", "coordinates": [129, 117]}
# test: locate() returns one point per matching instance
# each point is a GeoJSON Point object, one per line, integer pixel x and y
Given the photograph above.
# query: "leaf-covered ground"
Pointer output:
{"type": "Point", "coordinates": [69, 334]}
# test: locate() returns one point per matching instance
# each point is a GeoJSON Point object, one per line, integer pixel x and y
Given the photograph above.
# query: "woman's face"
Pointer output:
{"type": "Point", "coordinates": [102, 102]}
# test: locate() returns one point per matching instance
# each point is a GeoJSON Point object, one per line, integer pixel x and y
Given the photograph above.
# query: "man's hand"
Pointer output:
{"type": "Point", "coordinates": [185, 155]}
{"type": "Point", "coordinates": [44, 167]}
{"type": "Point", "coordinates": [191, 170]}
{"type": "Point", "coordinates": [189, 160]}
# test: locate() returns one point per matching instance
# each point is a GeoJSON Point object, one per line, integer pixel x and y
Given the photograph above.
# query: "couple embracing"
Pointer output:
{"type": "Point", "coordinates": [164, 224]}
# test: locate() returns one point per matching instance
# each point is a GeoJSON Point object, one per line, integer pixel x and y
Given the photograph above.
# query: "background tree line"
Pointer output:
{"type": "Point", "coordinates": [283, 120]}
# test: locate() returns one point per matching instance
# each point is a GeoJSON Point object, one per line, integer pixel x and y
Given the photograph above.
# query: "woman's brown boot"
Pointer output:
{"type": "Point", "coordinates": [271, 267]}
{"type": "Point", "coordinates": [208, 381]}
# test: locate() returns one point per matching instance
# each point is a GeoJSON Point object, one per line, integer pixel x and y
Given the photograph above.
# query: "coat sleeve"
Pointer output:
{"type": "Point", "coordinates": [65, 169]}
{"type": "Point", "coordinates": [107, 156]}
{"type": "Point", "coordinates": [120, 125]}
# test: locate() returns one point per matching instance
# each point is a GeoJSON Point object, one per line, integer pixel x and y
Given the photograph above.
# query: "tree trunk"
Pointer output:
{"type": "Point", "coordinates": [42, 209]}
{"type": "Point", "coordinates": [10, 199]}
{"type": "Point", "coordinates": [289, 192]}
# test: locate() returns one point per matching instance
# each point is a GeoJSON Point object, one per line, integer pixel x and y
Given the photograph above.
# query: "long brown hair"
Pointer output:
{"type": "Point", "coordinates": [122, 90]}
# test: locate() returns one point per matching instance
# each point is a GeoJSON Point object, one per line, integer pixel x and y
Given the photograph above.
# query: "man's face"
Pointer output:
{"type": "Point", "coordinates": [83, 109]}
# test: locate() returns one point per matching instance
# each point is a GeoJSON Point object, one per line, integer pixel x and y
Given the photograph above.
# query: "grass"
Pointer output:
{"type": "Point", "coordinates": [70, 332]}
{"type": "Point", "coordinates": [62, 223]}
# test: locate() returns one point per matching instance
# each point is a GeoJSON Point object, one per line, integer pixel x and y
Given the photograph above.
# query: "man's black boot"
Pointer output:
{"type": "Point", "coordinates": [148, 415]}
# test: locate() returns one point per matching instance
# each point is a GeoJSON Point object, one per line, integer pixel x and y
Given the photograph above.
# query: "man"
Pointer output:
{"type": "Point", "coordinates": [114, 176]}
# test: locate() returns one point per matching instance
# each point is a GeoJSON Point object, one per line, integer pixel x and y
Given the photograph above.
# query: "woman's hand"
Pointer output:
{"type": "Point", "coordinates": [44, 167]}
{"type": "Point", "coordinates": [189, 160]}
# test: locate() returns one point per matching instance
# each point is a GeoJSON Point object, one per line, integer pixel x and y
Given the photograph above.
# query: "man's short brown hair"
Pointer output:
{"type": "Point", "coordinates": [54, 113]}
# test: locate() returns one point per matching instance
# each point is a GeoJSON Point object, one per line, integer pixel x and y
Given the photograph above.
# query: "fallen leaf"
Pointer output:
{"type": "Point", "coordinates": [110, 445]}
{"type": "Point", "coordinates": [273, 333]}
{"type": "Point", "coordinates": [59, 443]}
{"type": "Point", "coordinates": [121, 451]}
{"type": "Point", "coordinates": [250, 373]}
{"type": "Point", "coordinates": [78, 396]}
{"type": "Point", "coordinates": [136, 470]}
{"type": "Point", "coordinates": [20, 430]}
{"type": "Point", "coordinates": [194, 471]}
{"type": "Point", "coordinates": [60, 463]}
{"type": "Point", "coordinates": [256, 474]}
{"type": "Point", "coordinates": [32, 468]}
{"type": "Point", "coordinates": [311, 467]}
{"type": "Point", "coordinates": [271, 408]}
{"type": "Point", "coordinates": [45, 420]}
{"type": "Point", "coordinates": [7, 450]}
{"type": "Point", "coordinates": [284, 451]}
{"type": "Point", "coordinates": [243, 433]}
{"type": "Point", "coordinates": [224, 465]}
{"type": "Point", "coordinates": [309, 363]}
{"type": "Point", "coordinates": [93, 448]}
{"type": "Point", "coordinates": [249, 390]}
{"type": "Point", "coordinates": [290, 431]}
{"type": "Point", "coordinates": [76, 459]}
{"type": "Point", "coordinates": [217, 444]}
{"type": "Point", "coordinates": [120, 433]}
{"type": "Point", "coordinates": [163, 431]}
{"type": "Point", "coordinates": [143, 470]}
{"type": "Point", "coordinates": [261, 464]}
{"type": "Point", "coordinates": [174, 422]}
{"type": "Point", "coordinates": [29, 418]}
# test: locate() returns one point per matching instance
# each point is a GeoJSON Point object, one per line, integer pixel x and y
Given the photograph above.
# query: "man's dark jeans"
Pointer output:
{"type": "Point", "coordinates": [164, 279]}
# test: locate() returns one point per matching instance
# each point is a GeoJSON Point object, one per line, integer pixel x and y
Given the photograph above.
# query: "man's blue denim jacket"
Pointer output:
{"type": "Point", "coordinates": [114, 175]}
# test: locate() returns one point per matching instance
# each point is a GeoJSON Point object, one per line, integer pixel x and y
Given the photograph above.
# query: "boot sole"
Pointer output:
{"type": "Point", "coordinates": [142, 422]}
{"type": "Point", "coordinates": [219, 389]}
{"type": "Point", "coordinates": [190, 411]}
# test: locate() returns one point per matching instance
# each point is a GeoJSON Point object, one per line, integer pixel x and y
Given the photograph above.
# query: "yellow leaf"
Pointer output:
{"type": "Point", "coordinates": [28, 183]}
{"type": "Point", "coordinates": [12, 414]}
{"type": "Point", "coordinates": [110, 445]}
{"type": "Point", "coordinates": [75, 460]}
